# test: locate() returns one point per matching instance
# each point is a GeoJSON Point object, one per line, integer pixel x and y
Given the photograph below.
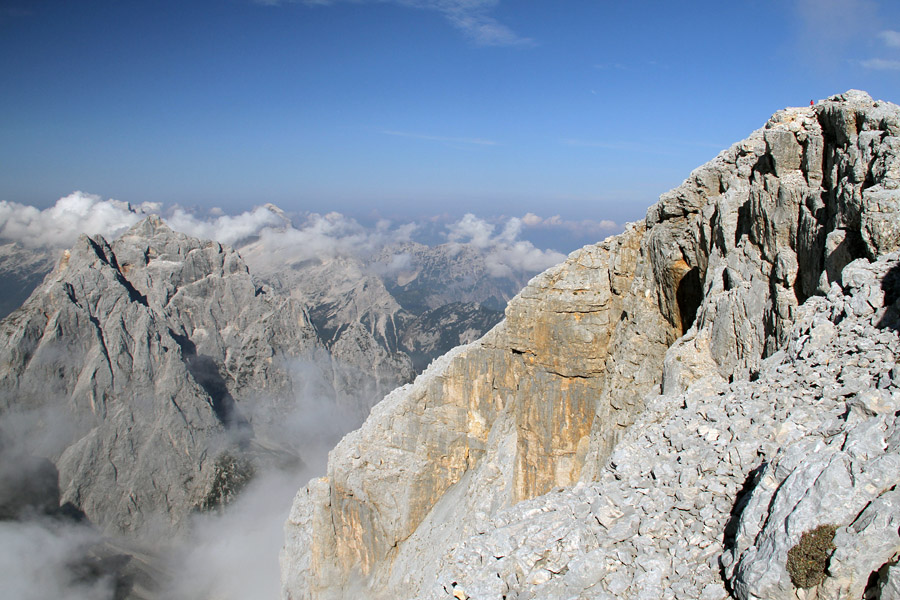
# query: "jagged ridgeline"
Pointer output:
{"type": "Point", "coordinates": [701, 407]}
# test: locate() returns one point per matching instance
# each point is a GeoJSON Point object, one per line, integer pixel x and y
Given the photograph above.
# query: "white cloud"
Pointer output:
{"type": "Point", "coordinates": [334, 234]}
{"type": "Point", "coordinates": [471, 230]}
{"type": "Point", "coordinates": [320, 237]}
{"type": "Point", "coordinates": [890, 38]}
{"type": "Point", "coordinates": [37, 560]}
{"type": "Point", "coordinates": [881, 64]}
{"type": "Point", "coordinates": [268, 239]}
{"type": "Point", "coordinates": [531, 220]}
{"type": "Point", "coordinates": [469, 16]}
{"type": "Point", "coordinates": [228, 229]}
{"type": "Point", "coordinates": [233, 554]}
{"type": "Point", "coordinates": [521, 257]}
{"type": "Point", "coordinates": [61, 224]}
{"type": "Point", "coordinates": [584, 227]}
{"type": "Point", "coordinates": [504, 254]}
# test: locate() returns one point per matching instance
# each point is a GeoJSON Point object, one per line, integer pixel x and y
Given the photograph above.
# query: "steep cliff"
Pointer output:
{"type": "Point", "coordinates": [153, 372]}
{"type": "Point", "coordinates": [355, 316]}
{"type": "Point", "coordinates": [701, 293]}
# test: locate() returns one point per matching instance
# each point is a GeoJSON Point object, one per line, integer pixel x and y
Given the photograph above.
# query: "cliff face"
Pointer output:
{"type": "Point", "coordinates": [701, 293]}
{"type": "Point", "coordinates": [356, 318]}
{"type": "Point", "coordinates": [140, 368]}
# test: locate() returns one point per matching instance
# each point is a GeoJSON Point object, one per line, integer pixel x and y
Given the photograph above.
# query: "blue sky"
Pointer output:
{"type": "Point", "coordinates": [404, 108]}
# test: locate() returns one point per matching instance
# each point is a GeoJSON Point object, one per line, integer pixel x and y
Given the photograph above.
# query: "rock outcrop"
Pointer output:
{"type": "Point", "coordinates": [153, 372]}
{"type": "Point", "coordinates": [614, 379]}
{"type": "Point", "coordinates": [683, 496]}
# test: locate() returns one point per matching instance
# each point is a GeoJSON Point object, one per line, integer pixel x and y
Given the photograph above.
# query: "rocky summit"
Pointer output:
{"type": "Point", "coordinates": [700, 407]}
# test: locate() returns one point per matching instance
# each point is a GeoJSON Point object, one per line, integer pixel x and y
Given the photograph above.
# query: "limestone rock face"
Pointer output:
{"type": "Point", "coordinates": [704, 478]}
{"type": "Point", "coordinates": [840, 468]}
{"type": "Point", "coordinates": [129, 367]}
{"type": "Point", "coordinates": [447, 481]}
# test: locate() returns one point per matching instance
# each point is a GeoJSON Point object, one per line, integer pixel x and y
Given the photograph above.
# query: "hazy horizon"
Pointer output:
{"type": "Point", "coordinates": [403, 109]}
{"type": "Point", "coordinates": [544, 238]}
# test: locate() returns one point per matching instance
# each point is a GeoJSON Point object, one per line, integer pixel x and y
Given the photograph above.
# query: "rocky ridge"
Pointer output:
{"type": "Point", "coordinates": [375, 314]}
{"type": "Point", "coordinates": [444, 490]}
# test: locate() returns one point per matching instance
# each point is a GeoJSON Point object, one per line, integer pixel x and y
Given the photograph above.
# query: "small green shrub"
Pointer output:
{"type": "Point", "coordinates": [230, 476]}
{"type": "Point", "coordinates": [806, 562]}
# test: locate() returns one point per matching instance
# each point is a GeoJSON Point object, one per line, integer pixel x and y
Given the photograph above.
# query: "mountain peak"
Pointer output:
{"type": "Point", "coordinates": [162, 330]}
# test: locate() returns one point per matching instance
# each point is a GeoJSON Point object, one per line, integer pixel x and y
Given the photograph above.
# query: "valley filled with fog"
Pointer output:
{"type": "Point", "coordinates": [284, 344]}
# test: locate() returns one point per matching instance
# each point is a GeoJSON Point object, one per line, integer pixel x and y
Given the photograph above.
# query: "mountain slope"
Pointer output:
{"type": "Point", "coordinates": [128, 367]}
{"type": "Point", "coordinates": [355, 316]}
{"type": "Point", "coordinates": [700, 293]}
{"type": "Point", "coordinates": [427, 277]}
{"type": "Point", "coordinates": [378, 315]}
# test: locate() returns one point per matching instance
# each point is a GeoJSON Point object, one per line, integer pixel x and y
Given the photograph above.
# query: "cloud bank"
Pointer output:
{"type": "Point", "coordinates": [233, 554]}
{"type": "Point", "coordinates": [37, 559]}
{"type": "Point", "coordinates": [61, 224]}
{"type": "Point", "coordinates": [504, 254]}
{"type": "Point", "coordinates": [227, 229]}
{"type": "Point", "coordinates": [269, 239]}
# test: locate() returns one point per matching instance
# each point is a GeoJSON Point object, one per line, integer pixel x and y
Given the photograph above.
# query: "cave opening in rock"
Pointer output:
{"type": "Point", "coordinates": [689, 295]}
